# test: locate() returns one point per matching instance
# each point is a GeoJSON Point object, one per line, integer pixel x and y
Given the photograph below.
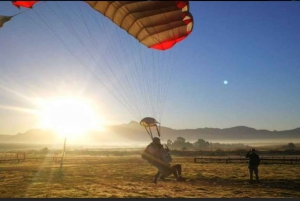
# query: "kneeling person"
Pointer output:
{"type": "Point", "coordinates": [161, 160]}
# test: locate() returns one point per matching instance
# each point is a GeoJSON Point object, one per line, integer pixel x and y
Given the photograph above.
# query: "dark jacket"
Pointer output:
{"type": "Point", "coordinates": [254, 159]}
{"type": "Point", "coordinates": [148, 156]}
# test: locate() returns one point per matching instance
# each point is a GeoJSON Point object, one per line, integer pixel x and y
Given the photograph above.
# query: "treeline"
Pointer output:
{"type": "Point", "coordinates": [181, 144]}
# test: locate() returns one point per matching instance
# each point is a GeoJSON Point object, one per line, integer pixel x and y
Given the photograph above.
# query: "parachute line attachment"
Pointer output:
{"type": "Point", "coordinates": [149, 122]}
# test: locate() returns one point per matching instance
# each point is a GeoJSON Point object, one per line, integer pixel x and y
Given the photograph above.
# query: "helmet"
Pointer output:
{"type": "Point", "coordinates": [156, 140]}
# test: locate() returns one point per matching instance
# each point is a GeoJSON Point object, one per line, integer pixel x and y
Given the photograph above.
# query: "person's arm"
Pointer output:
{"type": "Point", "coordinates": [258, 160]}
{"type": "Point", "coordinates": [151, 150]}
{"type": "Point", "coordinates": [154, 152]}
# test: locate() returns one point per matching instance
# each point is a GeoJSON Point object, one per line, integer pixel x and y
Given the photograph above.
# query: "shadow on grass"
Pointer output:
{"type": "Point", "coordinates": [58, 174]}
{"type": "Point", "coordinates": [287, 184]}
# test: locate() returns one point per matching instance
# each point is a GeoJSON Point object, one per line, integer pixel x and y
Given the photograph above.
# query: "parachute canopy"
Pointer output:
{"type": "Point", "coordinates": [26, 4]}
{"type": "Point", "coordinates": [156, 24]}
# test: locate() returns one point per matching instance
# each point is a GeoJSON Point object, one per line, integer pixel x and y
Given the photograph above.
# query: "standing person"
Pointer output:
{"type": "Point", "coordinates": [254, 162]}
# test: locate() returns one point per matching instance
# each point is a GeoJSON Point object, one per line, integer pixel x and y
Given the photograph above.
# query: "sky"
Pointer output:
{"type": "Point", "coordinates": [240, 66]}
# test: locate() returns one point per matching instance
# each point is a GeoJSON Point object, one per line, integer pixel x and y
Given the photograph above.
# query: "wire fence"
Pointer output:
{"type": "Point", "coordinates": [264, 160]}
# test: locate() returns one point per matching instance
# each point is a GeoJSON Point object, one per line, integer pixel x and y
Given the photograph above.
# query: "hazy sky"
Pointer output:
{"type": "Point", "coordinates": [240, 66]}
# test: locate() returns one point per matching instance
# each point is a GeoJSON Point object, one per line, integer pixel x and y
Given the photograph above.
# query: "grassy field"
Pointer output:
{"type": "Point", "coordinates": [131, 177]}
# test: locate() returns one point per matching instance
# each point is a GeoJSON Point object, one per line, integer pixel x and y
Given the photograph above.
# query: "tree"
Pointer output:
{"type": "Point", "coordinates": [45, 150]}
{"type": "Point", "coordinates": [291, 146]}
{"type": "Point", "coordinates": [169, 143]}
{"type": "Point", "coordinates": [180, 142]}
{"type": "Point", "coordinates": [201, 143]}
{"type": "Point", "coordinates": [180, 139]}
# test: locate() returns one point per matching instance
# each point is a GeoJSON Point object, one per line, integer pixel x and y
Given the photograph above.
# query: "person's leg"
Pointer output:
{"type": "Point", "coordinates": [162, 177]}
{"type": "Point", "coordinates": [172, 171]}
{"type": "Point", "coordinates": [177, 168]}
{"type": "Point", "coordinates": [156, 176]}
{"type": "Point", "coordinates": [251, 173]}
{"type": "Point", "coordinates": [256, 173]}
{"type": "Point", "coordinates": [166, 172]}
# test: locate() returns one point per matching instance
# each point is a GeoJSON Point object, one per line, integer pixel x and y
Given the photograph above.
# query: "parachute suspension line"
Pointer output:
{"type": "Point", "coordinates": [169, 68]}
{"type": "Point", "coordinates": [177, 52]}
{"type": "Point", "coordinates": [94, 42]}
{"type": "Point", "coordinates": [149, 122]}
{"type": "Point", "coordinates": [128, 87]}
{"type": "Point", "coordinates": [80, 61]}
{"type": "Point", "coordinates": [111, 69]}
{"type": "Point", "coordinates": [155, 80]}
{"type": "Point", "coordinates": [164, 72]}
{"type": "Point", "coordinates": [52, 34]}
{"type": "Point", "coordinates": [157, 61]}
{"type": "Point", "coordinates": [107, 64]}
{"type": "Point", "coordinates": [132, 68]}
{"type": "Point", "coordinates": [175, 64]}
{"type": "Point", "coordinates": [149, 132]}
{"type": "Point", "coordinates": [158, 130]}
{"type": "Point", "coordinates": [152, 92]}
{"type": "Point", "coordinates": [59, 38]}
{"type": "Point", "coordinates": [35, 5]}
{"type": "Point", "coordinates": [172, 67]}
{"type": "Point", "coordinates": [139, 97]}
{"type": "Point", "coordinates": [146, 82]}
{"type": "Point", "coordinates": [135, 80]}
{"type": "Point", "coordinates": [165, 67]}
{"type": "Point", "coordinates": [146, 54]}
{"type": "Point", "coordinates": [150, 82]}
{"type": "Point", "coordinates": [141, 72]}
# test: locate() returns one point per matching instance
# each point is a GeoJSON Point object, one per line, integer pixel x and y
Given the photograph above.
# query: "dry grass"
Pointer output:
{"type": "Point", "coordinates": [130, 177]}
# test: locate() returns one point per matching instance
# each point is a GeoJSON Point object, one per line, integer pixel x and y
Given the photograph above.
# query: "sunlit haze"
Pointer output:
{"type": "Point", "coordinates": [69, 117]}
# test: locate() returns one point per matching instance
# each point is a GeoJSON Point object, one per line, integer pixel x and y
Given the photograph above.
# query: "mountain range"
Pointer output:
{"type": "Point", "coordinates": [133, 133]}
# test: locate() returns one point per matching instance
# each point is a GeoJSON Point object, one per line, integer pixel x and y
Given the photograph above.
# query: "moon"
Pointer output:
{"type": "Point", "coordinates": [225, 82]}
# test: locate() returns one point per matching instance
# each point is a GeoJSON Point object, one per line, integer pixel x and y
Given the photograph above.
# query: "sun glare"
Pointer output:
{"type": "Point", "coordinates": [69, 117]}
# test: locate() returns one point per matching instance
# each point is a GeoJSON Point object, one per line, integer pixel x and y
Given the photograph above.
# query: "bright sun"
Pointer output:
{"type": "Point", "coordinates": [69, 117]}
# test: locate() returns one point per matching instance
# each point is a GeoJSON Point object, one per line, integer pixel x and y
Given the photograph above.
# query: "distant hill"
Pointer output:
{"type": "Point", "coordinates": [134, 133]}
{"type": "Point", "coordinates": [30, 136]}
